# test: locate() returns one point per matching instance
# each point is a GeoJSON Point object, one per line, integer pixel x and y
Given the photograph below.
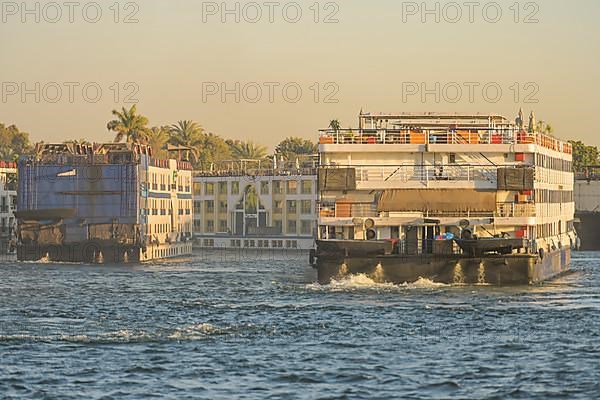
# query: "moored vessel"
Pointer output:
{"type": "Point", "coordinates": [102, 203]}
{"type": "Point", "coordinates": [455, 198]}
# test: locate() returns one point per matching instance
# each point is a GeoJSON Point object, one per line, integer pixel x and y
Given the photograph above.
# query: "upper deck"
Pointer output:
{"type": "Point", "coordinates": [438, 132]}
{"type": "Point", "coordinates": [74, 154]}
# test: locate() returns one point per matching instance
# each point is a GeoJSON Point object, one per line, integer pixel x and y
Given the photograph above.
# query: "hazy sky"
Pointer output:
{"type": "Point", "coordinates": [378, 56]}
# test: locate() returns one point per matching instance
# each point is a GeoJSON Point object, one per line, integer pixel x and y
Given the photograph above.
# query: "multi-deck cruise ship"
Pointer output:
{"type": "Point", "coordinates": [455, 198]}
{"type": "Point", "coordinates": [253, 204]}
{"type": "Point", "coordinates": [103, 203]}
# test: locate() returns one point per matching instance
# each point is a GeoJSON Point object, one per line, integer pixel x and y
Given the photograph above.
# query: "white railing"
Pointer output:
{"type": "Point", "coordinates": [369, 210]}
{"type": "Point", "coordinates": [423, 136]}
{"type": "Point", "coordinates": [426, 173]}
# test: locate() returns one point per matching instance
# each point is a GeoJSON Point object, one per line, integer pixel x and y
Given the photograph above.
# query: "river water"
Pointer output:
{"type": "Point", "coordinates": [223, 326]}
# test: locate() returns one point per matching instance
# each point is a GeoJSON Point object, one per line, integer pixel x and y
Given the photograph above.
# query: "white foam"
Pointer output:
{"type": "Point", "coordinates": [194, 331]}
{"type": "Point", "coordinates": [363, 281]}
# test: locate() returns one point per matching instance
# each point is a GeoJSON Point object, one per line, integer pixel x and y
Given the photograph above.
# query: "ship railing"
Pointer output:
{"type": "Point", "coordinates": [498, 135]}
{"type": "Point", "coordinates": [426, 173]}
{"type": "Point", "coordinates": [516, 210]}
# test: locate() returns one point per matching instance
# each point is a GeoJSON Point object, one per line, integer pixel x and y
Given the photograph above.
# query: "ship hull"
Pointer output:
{"type": "Point", "coordinates": [513, 269]}
{"type": "Point", "coordinates": [100, 253]}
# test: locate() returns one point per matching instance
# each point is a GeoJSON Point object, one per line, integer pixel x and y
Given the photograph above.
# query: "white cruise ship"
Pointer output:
{"type": "Point", "coordinates": [247, 204]}
{"type": "Point", "coordinates": [455, 198]}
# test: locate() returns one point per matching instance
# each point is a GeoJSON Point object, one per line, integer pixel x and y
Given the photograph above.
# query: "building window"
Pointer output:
{"type": "Point", "coordinates": [277, 187]}
{"type": "Point", "coordinates": [292, 206]}
{"type": "Point", "coordinates": [197, 225]}
{"type": "Point", "coordinates": [306, 187]}
{"type": "Point", "coordinates": [291, 226]}
{"type": "Point", "coordinates": [264, 187]}
{"type": "Point", "coordinates": [292, 187]}
{"type": "Point", "coordinates": [235, 188]}
{"type": "Point", "coordinates": [210, 206]}
{"type": "Point", "coordinates": [223, 188]}
{"type": "Point", "coordinates": [277, 224]}
{"type": "Point", "coordinates": [306, 207]}
{"type": "Point", "coordinates": [222, 206]}
{"type": "Point", "coordinates": [209, 188]}
{"type": "Point", "coordinates": [306, 227]}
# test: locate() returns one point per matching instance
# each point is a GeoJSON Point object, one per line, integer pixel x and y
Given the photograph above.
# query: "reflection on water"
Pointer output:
{"type": "Point", "coordinates": [222, 325]}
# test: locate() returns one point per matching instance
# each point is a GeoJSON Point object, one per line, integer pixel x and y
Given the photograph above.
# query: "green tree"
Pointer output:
{"type": "Point", "coordinates": [583, 155]}
{"type": "Point", "coordinates": [212, 149]}
{"type": "Point", "coordinates": [246, 150]}
{"type": "Point", "coordinates": [293, 147]}
{"type": "Point", "coordinates": [13, 143]}
{"type": "Point", "coordinates": [188, 134]}
{"type": "Point", "coordinates": [158, 137]}
{"type": "Point", "coordinates": [544, 127]}
{"type": "Point", "coordinates": [129, 125]}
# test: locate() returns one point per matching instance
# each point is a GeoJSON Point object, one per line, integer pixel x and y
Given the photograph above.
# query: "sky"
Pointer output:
{"type": "Point", "coordinates": [263, 70]}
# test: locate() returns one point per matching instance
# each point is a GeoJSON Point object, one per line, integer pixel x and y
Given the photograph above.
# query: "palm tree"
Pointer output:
{"type": "Point", "coordinates": [158, 137]}
{"type": "Point", "coordinates": [247, 150]}
{"type": "Point", "coordinates": [188, 134]}
{"type": "Point", "coordinates": [129, 125]}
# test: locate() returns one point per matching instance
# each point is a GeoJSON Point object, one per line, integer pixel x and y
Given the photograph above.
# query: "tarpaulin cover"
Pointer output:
{"type": "Point", "coordinates": [441, 200]}
{"type": "Point", "coordinates": [337, 179]}
{"type": "Point", "coordinates": [515, 179]}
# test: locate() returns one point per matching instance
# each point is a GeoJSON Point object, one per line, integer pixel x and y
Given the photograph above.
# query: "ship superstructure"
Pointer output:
{"type": "Point", "coordinates": [256, 204]}
{"type": "Point", "coordinates": [103, 203]}
{"type": "Point", "coordinates": [452, 197]}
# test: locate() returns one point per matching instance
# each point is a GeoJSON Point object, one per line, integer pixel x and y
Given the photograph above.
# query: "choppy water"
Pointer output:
{"type": "Point", "coordinates": [214, 327]}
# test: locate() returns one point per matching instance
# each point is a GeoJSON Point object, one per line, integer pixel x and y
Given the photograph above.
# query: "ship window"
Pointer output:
{"type": "Point", "coordinates": [197, 189]}
{"type": "Point", "coordinates": [291, 227]}
{"type": "Point", "coordinates": [223, 226]}
{"type": "Point", "coordinates": [306, 187]}
{"type": "Point", "coordinates": [235, 187]}
{"type": "Point", "coordinates": [292, 206]}
{"type": "Point", "coordinates": [306, 207]}
{"type": "Point", "coordinates": [292, 187]}
{"type": "Point", "coordinates": [277, 187]}
{"type": "Point", "coordinates": [306, 227]}
{"type": "Point", "coordinates": [452, 158]}
{"type": "Point", "coordinates": [264, 187]}
{"type": "Point", "coordinates": [222, 187]}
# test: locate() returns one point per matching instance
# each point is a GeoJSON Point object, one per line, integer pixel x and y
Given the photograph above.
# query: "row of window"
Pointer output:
{"type": "Point", "coordinates": [264, 244]}
{"type": "Point", "coordinates": [552, 229]}
{"type": "Point", "coordinates": [557, 164]}
{"type": "Point", "coordinates": [554, 196]}
{"type": "Point", "coordinates": [266, 187]}
{"type": "Point", "coordinates": [306, 207]}
{"type": "Point", "coordinates": [306, 227]}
